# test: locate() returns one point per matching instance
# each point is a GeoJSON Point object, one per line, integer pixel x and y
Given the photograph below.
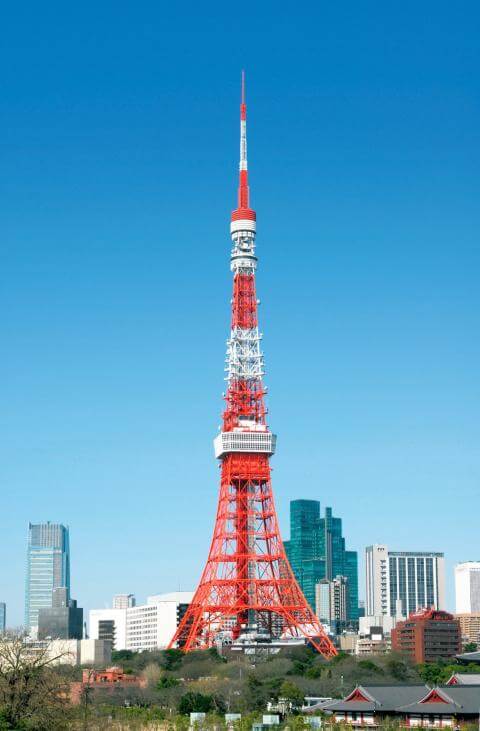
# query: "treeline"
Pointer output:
{"type": "Point", "coordinates": [35, 694]}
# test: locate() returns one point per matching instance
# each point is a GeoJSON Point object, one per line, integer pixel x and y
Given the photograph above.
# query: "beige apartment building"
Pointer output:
{"type": "Point", "coordinates": [469, 626]}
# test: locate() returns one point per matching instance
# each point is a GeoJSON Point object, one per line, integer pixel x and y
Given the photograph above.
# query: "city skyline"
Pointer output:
{"type": "Point", "coordinates": [56, 539]}
{"type": "Point", "coordinates": [364, 139]}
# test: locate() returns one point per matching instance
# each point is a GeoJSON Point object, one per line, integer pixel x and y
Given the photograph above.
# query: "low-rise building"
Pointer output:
{"type": "Point", "coordinates": [413, 706]}
{"type": "Point", "coordinates": [152, 625]}
{"type": "Point", "coordinates": [124, 601]}
{"type": "Point", "coordinates": [374, 642]}
{"type": "Point", "coordinates": [385, 621]}
{"type": "Point", "coordinates": [108, 679]}
{"type": "Point", "coordinates": [73, 652]}
{"type": "Point", "coordinates": [348, 642]}
{"type": "Point", "coordinates": [469, 627]}
{"type": "Point", "coordinates": [464, 679]}
{"type": "Point", "coordinates": [428, 636]}
{"type": "Point", "coordinates": [109, 624]}
{"type": "Point", "coordinates": [148, 626]}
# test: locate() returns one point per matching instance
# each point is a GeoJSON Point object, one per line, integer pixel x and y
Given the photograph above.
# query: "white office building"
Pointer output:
{"type": "Point", "coordinates": [377, 589]}
{"type": "Point", "coordinates": [109, 624]}
{"type": "Point", "coordinates": [367, 624]}
{"type": "Point", "coordinates": [331, 600]}
{"type": "Point", "coordinates": [123, 601]}
{"type": "Point", "coordinates": [148, 626]}
{"type": "Point", "coordinates": [151, 626]}
{"type": "Point", "coordinates": [467, 587]}
{"type": "Point", "coordinates": [401, 582]}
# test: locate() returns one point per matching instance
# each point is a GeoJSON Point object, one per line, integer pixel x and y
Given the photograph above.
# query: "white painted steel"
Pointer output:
{"type": "Point", "coordinates": [244, 358]}
{"type": "Point", "coordinates": [243, 145]}
{"type": "Point", "coordinates": [245, 441]}
{"type": "Point", "coordinates": [243, 224]}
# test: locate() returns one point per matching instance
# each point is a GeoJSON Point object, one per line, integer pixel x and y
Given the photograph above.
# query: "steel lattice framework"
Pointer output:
{"type": "Point", "coordinates": [247, 580]}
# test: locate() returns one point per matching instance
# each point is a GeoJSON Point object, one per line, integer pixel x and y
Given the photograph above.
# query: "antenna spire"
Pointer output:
{"type": "Point", "coordinates": [243, 192]}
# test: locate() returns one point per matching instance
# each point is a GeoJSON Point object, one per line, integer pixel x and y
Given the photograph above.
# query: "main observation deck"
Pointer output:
{"type": "Point", "coordinates": [244, 440]}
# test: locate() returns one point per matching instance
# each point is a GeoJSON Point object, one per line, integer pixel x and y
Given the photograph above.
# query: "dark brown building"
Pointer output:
{"type": "Point", "coordinates": [428, 635]}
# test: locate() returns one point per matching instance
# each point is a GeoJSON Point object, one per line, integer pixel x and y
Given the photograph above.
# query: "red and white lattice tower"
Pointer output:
{"type": "Point", "coordinates": [247, 581]}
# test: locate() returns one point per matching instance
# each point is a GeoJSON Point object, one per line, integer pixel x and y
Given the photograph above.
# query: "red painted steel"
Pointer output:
{"type": "Point", "coordinates": [244, 305]}
{"type": "Point", "coordinates": [242, 214]}
{"type": "Point", "coordinates": [247, 578]}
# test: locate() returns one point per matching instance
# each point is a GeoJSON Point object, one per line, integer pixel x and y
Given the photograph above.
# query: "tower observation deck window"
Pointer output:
{"type": "Point", "coordinates": [248, 441]}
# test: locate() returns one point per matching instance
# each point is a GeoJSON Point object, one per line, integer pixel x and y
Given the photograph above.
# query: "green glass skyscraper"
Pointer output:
{"type": "Point", "coordinates": [316, 551]}
{"type": "Point", "coordinates": [305, 549]}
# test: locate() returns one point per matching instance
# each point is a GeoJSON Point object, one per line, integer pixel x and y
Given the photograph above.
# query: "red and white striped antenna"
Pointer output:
{"type": "Point", "coordinates": [243, 210]}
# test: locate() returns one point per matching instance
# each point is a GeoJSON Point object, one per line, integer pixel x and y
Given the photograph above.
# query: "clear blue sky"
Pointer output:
{"type": "Point", "coordinates": [119, 141]}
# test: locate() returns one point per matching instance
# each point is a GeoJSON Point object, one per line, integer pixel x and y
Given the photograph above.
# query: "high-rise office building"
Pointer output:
{"type": "Point", "coordinates": [48, 568]}
{"type": "Point", "coordinates": [401, 582]}
{"type": "Point", "coordinates": [331, 601]}
{"type": "Point", "coordinates": [467, 587]}
{"type": "Point", "coordinates": [303, 548]}
{"type": "Point", "coordinates": [316, 551]}
{"type": "Point", "coordinates": [350, 571]}
{"type": "Point", "coordinates": [322, 601]}
{"type": "Point", "coordinates": [3, 616]}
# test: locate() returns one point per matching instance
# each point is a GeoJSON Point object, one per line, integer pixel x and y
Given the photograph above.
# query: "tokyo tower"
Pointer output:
{"type": "Point", "coordinates": [247, 583]}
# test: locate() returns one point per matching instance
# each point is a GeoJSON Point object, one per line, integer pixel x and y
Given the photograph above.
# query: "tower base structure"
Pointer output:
{"type": "Point", "coordinates": [247, 585]}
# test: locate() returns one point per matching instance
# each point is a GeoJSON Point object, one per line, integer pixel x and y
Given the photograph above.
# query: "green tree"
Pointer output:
{"type": "Point", "coordinates": [370, 666]}
{"type": "Point", "coordinates": [291, 693]}
{"type": "Point", "coordinates": [435, 673]}
{"type": "Point", "coordinates": [196, 703]}
{"type": "Point", "coordinates": [470, 647]}
{"type": "Point", "coordinates": [314, 672]}
{"type": "Point", "coordinates": [172, 658]}
{"type": "Point", "coordinates": [167, 681]}
{"type": "Point", "coordinates": [298, 668]}
{"type": "Point", "coordinates": [255, 694]}
{"type": "Point", "coordinates": [119, 656]}
{"type": "Point", "coordinates": [397, 668]}
{"type": "Point", "coordinates": [340, 657]}
{"type": "Point", "coordinates": [32, 695]}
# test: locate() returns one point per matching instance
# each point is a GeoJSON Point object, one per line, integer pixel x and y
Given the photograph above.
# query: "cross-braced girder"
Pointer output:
{"type": "Point", "coordinates": [247, 572]}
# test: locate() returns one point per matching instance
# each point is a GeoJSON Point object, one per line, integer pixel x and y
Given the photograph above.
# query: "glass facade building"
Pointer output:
{"type": "Point", "coordinates": [402, 582]}
{"type": "Point", "coordinates": [413, 580]}
{"type": "Point", "coordinates": [350, 570]}
{"type": "Point", "coordinates": [48, 568]}
{"type": "Point", "coordinates": [316, 551]}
